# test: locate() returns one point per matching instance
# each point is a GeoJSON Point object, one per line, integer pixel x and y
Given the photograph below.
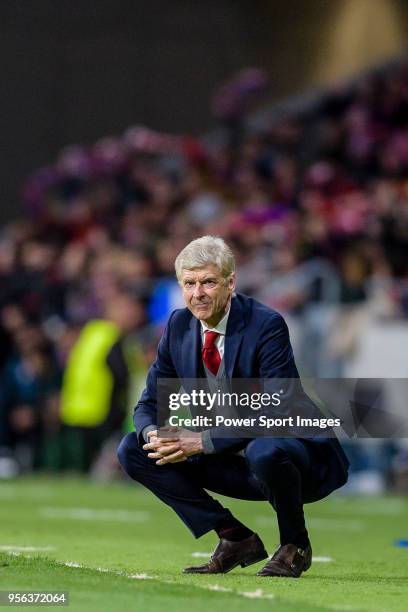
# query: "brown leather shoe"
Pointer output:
{"type": "Point", "coordinates": [289, 561]}
{"type": "Point", "coordinates": [228, 555]}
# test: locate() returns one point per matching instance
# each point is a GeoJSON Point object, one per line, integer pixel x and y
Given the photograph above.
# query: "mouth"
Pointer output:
{"type": "Point", "coordinates": [201, 306]}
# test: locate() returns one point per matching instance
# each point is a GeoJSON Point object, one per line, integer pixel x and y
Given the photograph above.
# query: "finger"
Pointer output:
{"type": "Point", "coordinates": [154, 444]}
{"type": "Point", "coordinates": [177, 460]}
{"type": "Point", "coordinates": [178, 455]}
{"type": "Point", "coordinates": [155, 456]}
{"type": "Point", "coordinates": [152, 433]}
{"type": "Point", "coordinates": [149, 446]}
{"type": "Point", "coordinates": [167, 449]}
{"type": "Point", "coordinates": [163, 449]}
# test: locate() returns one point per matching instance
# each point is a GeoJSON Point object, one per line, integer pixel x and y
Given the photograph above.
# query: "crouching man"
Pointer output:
{"type": "Point", "coordinates": [221, 334]}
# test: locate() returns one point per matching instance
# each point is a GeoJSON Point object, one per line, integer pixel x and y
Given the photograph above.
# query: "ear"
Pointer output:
{"type": "Point", "coordinates": [232, 282]}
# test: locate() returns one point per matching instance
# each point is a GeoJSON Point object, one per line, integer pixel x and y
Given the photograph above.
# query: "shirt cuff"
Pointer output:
{"type": "Point", "coordinates": [208, 446]}
{"type": "Point", "coordinates": [146, 430]}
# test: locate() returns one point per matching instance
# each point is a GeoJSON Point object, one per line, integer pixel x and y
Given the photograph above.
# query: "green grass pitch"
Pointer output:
{"type": "Point", "coordinates": [116, 547]}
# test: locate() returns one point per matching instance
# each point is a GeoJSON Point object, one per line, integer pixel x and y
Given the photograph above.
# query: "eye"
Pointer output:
{"type": "Point", "coordinates": [209, 283]}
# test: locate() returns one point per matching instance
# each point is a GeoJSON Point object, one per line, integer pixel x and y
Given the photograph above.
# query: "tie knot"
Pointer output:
{"type": "Point", "coordinates": [210, 338]}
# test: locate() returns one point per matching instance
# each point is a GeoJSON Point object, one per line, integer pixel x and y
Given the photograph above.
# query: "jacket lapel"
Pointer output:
{"type": "Point", "coordinates": [190, 350]}
{"type": "Point", "coordinates": [234, 335]}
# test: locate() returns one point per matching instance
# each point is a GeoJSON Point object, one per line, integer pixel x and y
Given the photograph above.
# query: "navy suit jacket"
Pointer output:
{"type": "Point", "coordinates": [257, 345]}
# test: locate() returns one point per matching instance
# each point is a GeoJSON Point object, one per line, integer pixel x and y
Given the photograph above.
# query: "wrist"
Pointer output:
{"type": "Point", "coordinates": [207, 445]}
{"type": "Point", "coordinates": [200, 444]}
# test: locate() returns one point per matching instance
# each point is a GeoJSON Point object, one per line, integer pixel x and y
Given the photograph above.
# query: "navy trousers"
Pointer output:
{"type": "Point", "coordinates": [280, 471]}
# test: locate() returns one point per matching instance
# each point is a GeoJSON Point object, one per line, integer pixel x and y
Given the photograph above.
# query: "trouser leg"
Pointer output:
{"type": "Point", "coordinates": [176, 484]}
{"type": "Point", "coordinates": [281, 465]}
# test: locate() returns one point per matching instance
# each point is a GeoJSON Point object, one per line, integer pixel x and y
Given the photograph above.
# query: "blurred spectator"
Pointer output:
{"type": "Point", "coordinates": [29, 380]}
{"type": "Point", "coordinates": [95, 384]}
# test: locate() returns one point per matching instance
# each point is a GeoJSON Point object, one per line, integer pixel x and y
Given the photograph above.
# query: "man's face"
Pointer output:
{"type": "Point", "coordinates": [207, 294]}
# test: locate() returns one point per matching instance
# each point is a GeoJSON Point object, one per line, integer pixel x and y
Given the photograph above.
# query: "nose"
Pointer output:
{"type": "Point", "coordinates": [198, 290]}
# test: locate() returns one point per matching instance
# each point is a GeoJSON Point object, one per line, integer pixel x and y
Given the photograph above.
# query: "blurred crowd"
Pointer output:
{"type": "Point", "coordinates": [314, 204]}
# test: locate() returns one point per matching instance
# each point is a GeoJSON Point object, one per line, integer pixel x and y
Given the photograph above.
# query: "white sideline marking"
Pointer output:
{"type": "Point", "coordinates": [26, 548]}
{"type": "Point", "coordinates": [94, 514]}
{"type": "Point", "coordinates": [198, 555]}
{"type": "Point", "coordinates": [257, 594]}
{"type": "Point", "coordinates": [106, 570]}
{"type": "Point", "coordinates": [141, 576]}
{"type": "Point", "coordinates": [217, 587]}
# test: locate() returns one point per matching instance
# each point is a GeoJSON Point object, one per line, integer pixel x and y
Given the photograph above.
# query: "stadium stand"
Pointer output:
{"type": "Point", "coordinates": [314, 203]}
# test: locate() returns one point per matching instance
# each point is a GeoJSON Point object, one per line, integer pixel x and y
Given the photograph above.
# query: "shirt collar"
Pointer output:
{"type": "Point", "coordinates": [221, 328]}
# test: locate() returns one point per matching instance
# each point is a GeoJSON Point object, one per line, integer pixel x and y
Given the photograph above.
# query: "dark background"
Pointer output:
{"type": "Point", "coordinates": [73, 71]}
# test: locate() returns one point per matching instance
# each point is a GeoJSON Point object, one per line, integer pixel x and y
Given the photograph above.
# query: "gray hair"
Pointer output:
{"type": "Point", "coordinates": [206, 251]}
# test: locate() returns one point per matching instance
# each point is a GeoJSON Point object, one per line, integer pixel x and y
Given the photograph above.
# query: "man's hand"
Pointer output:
{"type": "Point", "coordinates": [176, 446]}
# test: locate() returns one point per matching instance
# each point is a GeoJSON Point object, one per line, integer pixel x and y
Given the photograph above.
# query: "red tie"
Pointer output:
{"type": "Point", "coordinates": [211, 356]}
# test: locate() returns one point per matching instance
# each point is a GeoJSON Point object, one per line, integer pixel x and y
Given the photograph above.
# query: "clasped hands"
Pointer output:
{"type": "Point", "coordinates": [175, 446]}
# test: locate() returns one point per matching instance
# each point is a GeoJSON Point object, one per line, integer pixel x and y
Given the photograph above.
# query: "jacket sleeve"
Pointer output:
{"type": "Point", "coordinates": [145, 413]}
{"type": "Point", "coordinates": [275, 355]}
